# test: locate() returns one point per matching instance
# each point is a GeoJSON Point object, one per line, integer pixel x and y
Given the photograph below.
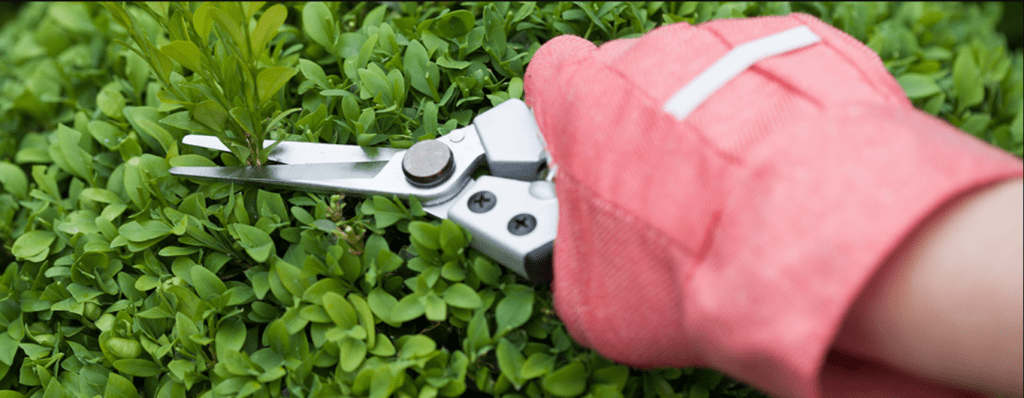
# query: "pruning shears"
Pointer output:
{"type": "Point", "coordinates": [511, 214]}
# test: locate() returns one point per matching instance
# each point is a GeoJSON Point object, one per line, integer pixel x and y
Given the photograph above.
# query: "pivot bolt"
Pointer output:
{"type": "Point", "coordinates": [522, 224]}
{"type": "Point", "coordinates": [428, 163]}
{"type": "Point", "coordinates": [482, 202]}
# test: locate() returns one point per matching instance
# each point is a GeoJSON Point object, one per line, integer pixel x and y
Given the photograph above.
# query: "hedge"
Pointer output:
{"type": "Point", "coordinates": [120, 280]}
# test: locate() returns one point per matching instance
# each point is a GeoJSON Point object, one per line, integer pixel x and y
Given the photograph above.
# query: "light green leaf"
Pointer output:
{"type": "Point", "coordinates": [514, 310]}
{"type": "Point", "coordinates": [13, 180]}
{"type": "Point", "coordinates": [406, 309]}
{"type": "Point", "coordinates": [967, 85]}
{"type": "Point", "coordinates": [425, 234]}
{"type": "Point", "coordinates": [386, 212]}
{"type": "Point", "coordinates": [339, 309]}
{"type": "Point", "coordinates": [191, 161]}
{"type": "Point", "coordinates": [435, 308]}
{"type": "Point", "coordinates": [318, 23]}
{"type": "Point", "coordinates": [267, 27]}
{"type": "Point", "coordinates": [568, 381]}
{"type": "Point", "coordinates": [207, 284]}
{"type": "Point", "coordinates": [147, 230]}
{"type": "Point", "coordinates": [423, 74]}
{"type": "Point", "coordinates": [202, 21]}
{"type": "Point", "coordinates": [184, 53]}
{"type": "Point", "coordinates": [110, 101]}
{"type": "Point", "coordinates": [462, 296]}
{"type": "Point", "coordinates": [119, 387]}
{"type": "Point", "coordinates": [510, 361]}
{"type": "Point", "coordinates": [255, 242]}
{"type": "Point", "coordinates": [32, 245]}
{"type": "Point", "coordinates": [451, 237]}
{"type": "Point", "coordinates": [415, 346]}
{"type": "Point", "coordinates": [312, 71]}
{"type": "Point", "coordinates": [918, 86]}
{"type": "Point", "coordinates": [353, 352]}
{"type": "Point", "coordinates": [538, 364]}
{"type": "Point", "coordinates": [381, 303]}
{"type": "Point", "coordinates": [138, 367]}
{"type": "Point", "coordinates": [270, 80]}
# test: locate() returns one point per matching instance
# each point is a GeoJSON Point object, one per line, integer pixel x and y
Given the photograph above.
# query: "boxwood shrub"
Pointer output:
{"type": "Point", "coordinates": [120, 280]}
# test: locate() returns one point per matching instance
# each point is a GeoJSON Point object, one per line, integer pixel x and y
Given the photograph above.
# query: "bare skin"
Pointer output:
{"type": "Point", "coordinates": [947, 306]}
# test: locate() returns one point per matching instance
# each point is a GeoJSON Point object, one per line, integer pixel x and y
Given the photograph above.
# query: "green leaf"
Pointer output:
{"type": "Point", "coordinates": [451, 237]}
{"type": "Point", "coordinates": [918, 86]}
{"type": "Point", "coordinates": [381, 303]}
{"type": "Point", "coordinates": [73, 17]}
{"type": "Point", "coordinates": [568, 381]}
{"type": "Point", "coordinates": [538, 364]}
{"type": "Point", "coordinates": [406, 309]}
{"type": "Point", "coordinates": [462, 296]}
{"type": "Point", "coordinates": [339, 309]}
{"type": "Point", "coordinates": [453, 24]}
{"type": "Point", "coordinates": [967, 85]}
{"type": "Point", "coordinates": [119, 387]}
{"type": "Point", "coordinates": [230, 335]}
{"type": "Point", "coordinates": [435, 308]}
{"type": "Point", "coordinates": [510, 361]}
{"type": "Point", "coordinates": [207, 284]}
{"type": "Point", "coordinates": [312, 71]}
{"type": "Point", "coordinates": [13, 180]}
{"type": "Point", "coordinates": [184, 53]}
{"type": "Point", "coordinates": [190, 161]}
{"type": "Point", "coordinates": [138, 367]}
{"type": "Point", "coordinates": [255, 242]}
{"type": "Point", "coordinates": [318, 23]}
{"type": "Point", "coordinates": [425, 234]}
{"type": "Point", "coordinates": [270, 80]}
{"type": "Point", "coordinates": [110, 101]}
{"type": "Point", "coordinates": [145, 231]}
{"type": "Point", "coordinates": [416, 346]}
{"type": "Point", "coordinates": [423, 74]}
{"type": "Point", "coordinates": [267, 27]}
{"type": "Point", "coordinates": [202, 22]}
{"type": "Point", "coordinates": [386, 212]}
{"type": "Point", "coordinates": [33, 245]}
{"type": "Point", "coordinates": [514, 310]}
{"type": "Point", "coordinates": [353, 352]}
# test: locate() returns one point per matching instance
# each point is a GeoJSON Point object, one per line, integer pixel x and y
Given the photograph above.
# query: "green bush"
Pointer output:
{"type": "Point", "coordinates": [122, 280]}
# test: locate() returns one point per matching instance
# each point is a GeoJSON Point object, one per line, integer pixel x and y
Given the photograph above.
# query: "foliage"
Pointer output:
{"type": "Point", "coordinates": [121, 280]}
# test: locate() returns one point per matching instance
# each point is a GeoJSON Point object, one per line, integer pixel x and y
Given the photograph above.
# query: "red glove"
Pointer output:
{"type": "Point", "coordinates": [737, 236]}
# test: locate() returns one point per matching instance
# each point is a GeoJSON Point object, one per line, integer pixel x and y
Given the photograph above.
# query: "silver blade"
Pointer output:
{"type": "Point", "coordinates": [291, 152]}
{"type": "Point", "coordinates": [317, 177]}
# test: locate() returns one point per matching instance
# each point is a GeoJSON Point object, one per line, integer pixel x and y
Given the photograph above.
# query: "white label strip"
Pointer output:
{"type": "Point", "coordinates": [684, 101]}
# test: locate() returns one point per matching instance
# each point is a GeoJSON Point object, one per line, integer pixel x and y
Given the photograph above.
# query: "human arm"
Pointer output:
{"type": "Point", "coordinates": [947, 304]}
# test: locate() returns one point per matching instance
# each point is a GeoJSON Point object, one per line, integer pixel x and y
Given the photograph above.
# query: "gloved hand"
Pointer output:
{"type": "Point", "coordinates": [735, 233]}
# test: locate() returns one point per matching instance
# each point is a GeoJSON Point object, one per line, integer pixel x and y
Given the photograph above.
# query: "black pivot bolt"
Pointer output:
{"type": "Point", "coordinates": [522, 224]}
{"type": "Point", "coordinates": [482, 202]}
{"type": "Point", "coordinates": [428, 163]}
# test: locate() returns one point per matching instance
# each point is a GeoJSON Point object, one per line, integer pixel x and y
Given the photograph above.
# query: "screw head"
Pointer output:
{"type": "Point", "coordinates": [522, 224]}
{"type": "Point", "coordinates": [482, 202]}
{"type": "Point", "coordinates": [428, 163]}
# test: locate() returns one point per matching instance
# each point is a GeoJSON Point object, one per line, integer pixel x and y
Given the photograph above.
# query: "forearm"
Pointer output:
{"type": "Point", "coordinates": [948, 304]}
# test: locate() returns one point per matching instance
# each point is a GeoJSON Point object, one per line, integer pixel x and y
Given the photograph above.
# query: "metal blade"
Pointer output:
{"type": "Point", "coordinates": [317, 177]}
{"type": "Point", "coordinates": [291, 152]}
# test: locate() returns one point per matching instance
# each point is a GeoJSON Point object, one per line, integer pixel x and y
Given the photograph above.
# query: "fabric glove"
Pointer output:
{"type": "Point", "coordinates": [738, 235]}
